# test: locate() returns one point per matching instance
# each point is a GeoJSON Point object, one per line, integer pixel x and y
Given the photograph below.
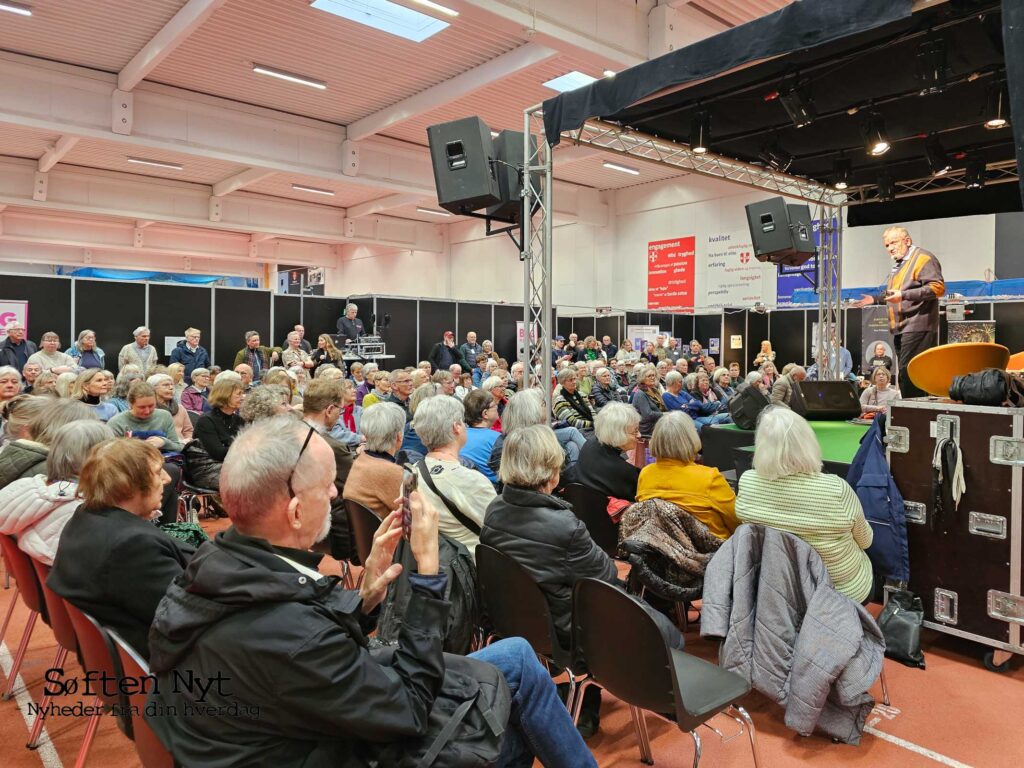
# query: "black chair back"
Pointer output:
{"type": "Point", "coordinates": [515, 604]}
{"type": "Point", "coordinates": [60, 622]}
{"type": "Point", "coordinates": [362, 523]}
{"type": "Point", "coordinates": [151, 751]}
{"type": "Point", "coordinates": [20, 565]}
{"type": "Point", "coordinates": [591, 507]}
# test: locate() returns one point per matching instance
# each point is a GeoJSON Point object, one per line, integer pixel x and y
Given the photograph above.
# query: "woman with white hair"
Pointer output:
{"type": "Point", "coordinates": [647, 399]}
{"type": "Point", "coordinates": [603, 465]}
{"type": "Point", "coordinates": [375, 479]}
{"type": "Point", "coordinates": [459, 494]}
{"type": "Point", "coordinates": [570, 406]}
{"type": "Point", "coordinates": [36, 509]}
{"type": "Point", "coordinates": [194, 397]}
{"type": "Point", "coordinates": [163, 386]}
{"type": "Point", "coordinates": [496, 387]}
{"type": "Point", "coordinates": [676, 477]}
{"type": "Point", "coordinates": [721, 383]}
{"type": "Point", "coordinates": [606, 389]}
{"type": "Point", "coordinates": [85, 352]}
{"type": "Point", "coordinates": [787, 490]}
{"type": "Point", "coordinates": [364, 385]}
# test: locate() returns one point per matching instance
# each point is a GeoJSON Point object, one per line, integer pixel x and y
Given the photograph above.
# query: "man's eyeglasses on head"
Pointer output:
{"type": "Point", "coordinates": [309, 436]}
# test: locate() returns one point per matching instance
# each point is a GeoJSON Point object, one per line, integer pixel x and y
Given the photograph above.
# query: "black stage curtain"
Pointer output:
{"type": "Point", "coordinates": [287, 314]}
{"type": "Point", "coordinates": [474, 317]}
{"type": "Point", "coordinates": [505, 317]}
{"type": "Point", "coordinates": [400, 335]}
{"type": "Point", "coordinates": [320, 315]}
{"type": "Point", "coordinates": [94, 302]}
{"type": "Point", "coordinates": [237, 310]}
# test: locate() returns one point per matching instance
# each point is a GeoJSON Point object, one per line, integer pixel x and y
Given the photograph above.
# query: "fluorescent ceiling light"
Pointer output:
{"type": "Point", "coordinates": [432, 212]}
{"type": "Point", "coordinates": [291, 77]}
{"type": "Point", "coordinates": [18, 8]}
{"type": "Point", "coordinates": [621, 168]}
{"type": "Point", "coordinates": [570, 81]}
{"type": "Point", "coordinates": [156, 163]}
{"type": "Point", "coordinates": [388, 17]}
{"type": "Point", "coordinates": [313, 190]}
{"type": "Point", "coordinates": [435, 7]}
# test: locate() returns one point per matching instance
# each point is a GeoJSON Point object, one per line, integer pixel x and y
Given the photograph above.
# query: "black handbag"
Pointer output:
{"type": "Point", "coordinates": [900, 622]}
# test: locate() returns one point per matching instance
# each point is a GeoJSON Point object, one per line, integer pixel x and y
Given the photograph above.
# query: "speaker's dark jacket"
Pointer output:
{"type": "Point", "coordinates": [350, 330]}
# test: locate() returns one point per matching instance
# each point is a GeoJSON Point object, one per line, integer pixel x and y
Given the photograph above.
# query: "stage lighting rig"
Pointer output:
{"type": "Point", "coordinates": [877, 140]}
{"type": "Point", "coordinates": [974, 173]}
{"type": "Point", "coordinates": [841, 169]}
{"type": "Point", "coordinates": [931, 66]}
{"type": "Point", "coordinates": [996, 108]}
{"type": "Point", "coordinates": [799, 105]}
{"type": "Point", "coordinates": [886, 187]}
{"type": "Point", "coordinates": [775, 156]}
{"type": "Point", "coordinates": [938, 159]}
{"type": "Point", "coordinates": [700, 133]}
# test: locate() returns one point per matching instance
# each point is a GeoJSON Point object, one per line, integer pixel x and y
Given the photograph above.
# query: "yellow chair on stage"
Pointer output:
{"type": "Point", "coordinates": [934, 369]}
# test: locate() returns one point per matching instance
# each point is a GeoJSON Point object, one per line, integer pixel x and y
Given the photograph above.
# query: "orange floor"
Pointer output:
{"type": "Point", "coordinates": [955, 713]}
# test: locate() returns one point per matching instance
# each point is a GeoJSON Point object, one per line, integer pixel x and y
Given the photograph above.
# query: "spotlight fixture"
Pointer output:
{"type": "Point", "coordinates": [931, 66]}
{"type": "Point", "coordinates": [841, 172]}
{"type": "Point", "coordinates": [775, 156]}
{"type": "Point", "coordinates": [974, 173]}
{"type": "Point", "coordinates": [700, 133]}
{"type": "Point", "coordinates": [938, 159]}
{"type": "Point", "coordinates": [886, 187]}
{"type": "Point", "coordinates": [799, 105]}
{"type": "Point", "coordinates": [996, 112]}
{"type": "Point", "coordinates": [877, 141]}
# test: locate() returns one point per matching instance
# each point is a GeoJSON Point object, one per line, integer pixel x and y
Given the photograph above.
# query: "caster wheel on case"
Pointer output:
{"type": "Point", "coordinates": [990, 663]}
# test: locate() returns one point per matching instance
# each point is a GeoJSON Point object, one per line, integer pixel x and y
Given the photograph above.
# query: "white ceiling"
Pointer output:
{"type": "Point", "coordinates": [366, 72]}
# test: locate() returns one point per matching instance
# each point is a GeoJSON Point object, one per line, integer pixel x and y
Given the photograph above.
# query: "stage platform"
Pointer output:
{"type": "Point", "coordinates": [728, 447]}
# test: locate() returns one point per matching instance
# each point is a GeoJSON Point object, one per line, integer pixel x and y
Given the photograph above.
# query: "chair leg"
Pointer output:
{"type": "Point", "coordinates": [10, 610]}
{"type": "Point", "coordinates": [575, 704]}
{"type": "Point", "coordinates": [885, 686]}
{"type": "Point", "coordinates": [751, 733]}
{"type": "Point", "coordinates": [642, 737]}
{"type": "Point", "coordinates": [90, 732]}
{"type": "Point", "coordinates": [37, 726]}
{"type": "Point", "coordinates": [696, 748]}
{"type": "Point", "coordinates": [20, 655]}
{"type": "Point", "coordinates": [681, 618]}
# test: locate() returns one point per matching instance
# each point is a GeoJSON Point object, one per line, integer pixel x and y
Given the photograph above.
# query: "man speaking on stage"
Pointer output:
{"type": "Point", "coordinates": [912, 293]}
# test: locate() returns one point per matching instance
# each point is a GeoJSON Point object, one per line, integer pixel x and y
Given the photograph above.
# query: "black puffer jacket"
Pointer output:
{"type": "Point", "coordinates": [542, 534]}
{"type": "Point", "coordinates": [22, 458]}
{"type": "Point", "coordinates": [292, 647]}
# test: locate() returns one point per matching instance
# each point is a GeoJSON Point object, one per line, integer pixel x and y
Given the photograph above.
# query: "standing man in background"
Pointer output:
{"type": "Point", "coordinates": [470, 350]}
{"type": "Point", "coordinates": [912, 294]}
{"type": "Point", "coordinates": [15, 350]}
{"type": "Point", "coordinates": [350, 327]}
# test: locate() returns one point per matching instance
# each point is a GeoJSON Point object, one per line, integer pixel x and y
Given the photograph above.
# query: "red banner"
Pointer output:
{"type": "Point", "coordinates": [670, 268]}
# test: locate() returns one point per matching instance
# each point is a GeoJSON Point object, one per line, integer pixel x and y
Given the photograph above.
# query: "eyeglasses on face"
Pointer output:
{"type": "Point", "coordinates": [305, 444]}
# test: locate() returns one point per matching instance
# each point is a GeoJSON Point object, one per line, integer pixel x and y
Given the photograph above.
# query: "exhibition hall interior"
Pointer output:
{"type": "Point", "coordinates": [511, 383]}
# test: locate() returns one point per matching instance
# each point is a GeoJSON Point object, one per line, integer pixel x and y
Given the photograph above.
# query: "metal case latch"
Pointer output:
{"type": "Point", "coordinates": [1005, 607]}
{"type": "Point", "coordinates": [897, 439]}
{"type": "Point", "coordinates": [945, 606]}
{"type": "Point", "coordinates": [981, 524]}
{"type": "Point", "coordinates": [1006, 450]}
{"type": "Point", "coordinates": [915, 512]}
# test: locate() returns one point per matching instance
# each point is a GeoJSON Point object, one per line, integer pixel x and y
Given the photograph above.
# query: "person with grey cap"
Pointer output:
{"type": "Point", "coordinates": [139, 352]}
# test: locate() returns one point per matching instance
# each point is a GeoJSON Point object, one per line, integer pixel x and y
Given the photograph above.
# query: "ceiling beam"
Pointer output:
{"type": "Point", "coordinates": [56, 153]}
{"type": "Point", "coordinates": [382, 204]}
{"type": "Point", "coordinates": [450, 90]}
{"type": "Point", "coordinates": [239, 180]}
{"type": "Point", "coordinates": [174, 32]}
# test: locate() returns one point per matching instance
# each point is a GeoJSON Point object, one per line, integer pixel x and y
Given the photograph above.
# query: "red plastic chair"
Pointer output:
{"type": "Point", "coordinates": [148, 746]}
{"type": "Point", "coordinates": [32, 595]}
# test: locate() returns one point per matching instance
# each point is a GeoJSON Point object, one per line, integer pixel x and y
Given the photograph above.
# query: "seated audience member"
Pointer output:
{"type": "Point", "coordinates": [672, 352]}
{"type": "Point", "coordinates": [163, 387]}
{"type": "Point", "coordinates": [456, 370]}
{"type": "Point", "coordinates": [265, 402]}
{"type": "Point", "coordinates": [357, 373]}
{"type": "Point", "coordinates": [15, 350]}
{"type": "Point", "coordinates": [525, 409]}
{"type": "Point", "coordinates": [786, 489]}
{"type": "Point", "coordinates": [306, 347]}
{"type": "Point", "coordinates": [766, 355]}
{"type": "Point", "coordinates": [217, 430]}
{"type": "Point", "coordinates": [626, 354]}
{"type": "Point", "coordinates": [375, 480]}
{"type": "Point", "coordinates": [177, 373]}
{"type": "Point", "coordinates": [194, 397]}
{"type": "Point", "coordinates": [782, 390]}
{"type": "Point", "coordinates": [608, 348]}
{"type": "Point", "coordinates": [16, 414]}
{"type": "Point", "coordinates": [770, 375]}
{"type": "Point", "coordinates": [412, 446]}
{"type": "Point", "coordinates": [480, 372]}
{"type": "Point", "coordinates": [280, 377]}
{"type": "Point", "coordinates": [45, 384]}
{"type": "Point", "coordinates": [734, 374]}
{"type": "Point", "coordinates": [29, 374]}
{"type": "Point", "coordinates": [50, 358]}
{"type": "Point", "coordinates": [878, 360]}
{"type": "Point", "coordinates": [705, 393]}
{"type": "Point", "coordinates": [875, 398]}
{"type": "Point", "coordinates": [10, 383]}
{"type": "Point", "coordinates": [647, 399]}
{"type": "Point", "coordinates": [256, 356]}
{"type": "Point", "coordinates": [606, 390]}
{"type": "Point", "coordinates": [682, 366]}
{"type": "Point", "coordinates": [369, 369]}
{"type": "Point", "coordinates": [445, 382]}
{"type": "Point", "coordinates": [419, 378]}
{"type": "Point", "coordinates": [721, 383]}
{"type": "Point", "coordinates": [754, 379]}
{"type": "Point", "coordinates": [488, 350]}
{"type": "Point", "coordinates": [440, 423]}
{"type": "Point", "coordinates": [35, 509]}
{"type": "Point", "coordinates": [112, 562]}
{"type": "Point", "coordinates": [695, 354]}
{"type": "Point", "coordinates": [591, 350]}
{"type": "Point", "coordinates": [401, 390]}
{"type": "Point", "coordinates": [85, 352]}
{"type": "Point", "coordinates": [380, 389]}
{"type": "Point", "coordinates": [241, 604]}
{"type": "Point", "coordinates": [63, 384]}
{"type": "Point", "coordinates": [139, 353]}
{"type": "Point", "coordinates": [675, 476]}
{"type": "Point", "coordinates": [145, 421]}
{"type": "Point", "coordinates": [426, 367]}
{"type": "Point", "coordinates": [465, 386]}
{"type": "Point", "coordinates": [481, 412]}
{"type": "Point", "coordinates": [301, 378]}
{"type": "Point", "coordinates": [189, 353]}
{"type": "Point", "coordinates": [649, 354]}
{"type": "Point", "coordinates": [214, 373]}
{"type": "Point", "coordinates": [662, 367]}
{"type": "Point", "coordinates": [294, 354]}
{"type": "Point", "coordinates": [92, 387]}
{"type": "Point", "coordinates": [620, 378]}
{"type": "Point", "coordinates": [603, 465]}
{"type": "Point", "coordinates": [347, 429]}
{"type": "Point", "coordinates": [326, 353]}
{"type": "Point", "coordinates": [245, 374]}
{"type": "Point", "coordinates": [31, 428]}
{"type": "Point", "coordinates": [495, 386]}
{"type": "Point", "coordinates": [570, 406]}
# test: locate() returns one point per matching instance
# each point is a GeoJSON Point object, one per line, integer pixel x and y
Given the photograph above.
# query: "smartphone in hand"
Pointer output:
{"type": "Point", "coordinates": [410, 482]}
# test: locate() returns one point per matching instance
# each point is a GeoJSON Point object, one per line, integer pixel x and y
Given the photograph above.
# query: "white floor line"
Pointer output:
{"type": "Point", "coordinates": [46, 751]}
{"type": "Point", "coordinates": [912, 747]}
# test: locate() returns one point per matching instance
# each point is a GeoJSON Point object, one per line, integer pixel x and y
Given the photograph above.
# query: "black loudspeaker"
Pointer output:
{"type": "Point", "coordinates": [508, 159]}
{"type": "Point", "coordinates": [781, 232]}
{"type": "Point", "coordinates": [825, 400]}
{"type": "Point", "coordinates": [746, 406]}
{"type": "Point", "coordinates": [462, 153]}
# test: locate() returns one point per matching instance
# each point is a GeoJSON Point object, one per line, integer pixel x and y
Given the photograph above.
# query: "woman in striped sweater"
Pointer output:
{"type": "Point", "coordinates": [787, 490]}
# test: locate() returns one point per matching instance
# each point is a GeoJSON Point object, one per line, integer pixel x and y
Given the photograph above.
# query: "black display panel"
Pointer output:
{"type": "Point", "coordinates": [638, 318]}
{"type": "Point", "coordinates": [320, 315]}
{"type": "Point", "coordinates": [237, 310]}
{"type": "Point", "coordinates": [609, 325]}
{"type": "Point", "coordinates": [173, 308]}
{"type": "Point", "coordinates": [505, 317]}
{"type": "Point", "coordinates": [94, 300]}
{"type": "Point", "coordinates": [707, 327]}
{"type": "Point", "coordinates": [564, 326]}
{"type": "Point", "coordinates": [1009, 317]}
{"type": "Point", "coordinates": [287, 314]}
{"type": "Point", "coordinates": [682, 328]}
{"type": "Point", "coordinates": [757, 331]}
{"type": "Point", "coordinates": [583, 327]}
{"type": "Point", "coordinates": [853, 333]}
{"type": "Point", "coordinates": [49, 305]}
{"type": "Point", "coordinates": [735, 325]}
{"type": "Point", "coordinates": [436, 317]}
{"type": "Point", "coordinates": [474, 317]}
{"type": "Point", "coordinates": [787, 336]}
{"type": "Point", "coordinates": [400, 335]}
{"type": "Point", "coordinates": [664, 320]}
